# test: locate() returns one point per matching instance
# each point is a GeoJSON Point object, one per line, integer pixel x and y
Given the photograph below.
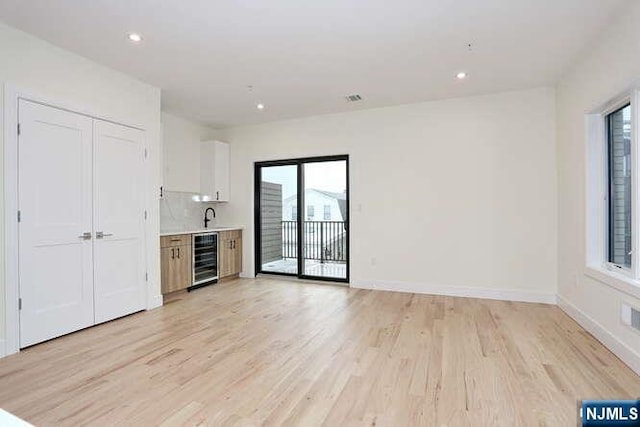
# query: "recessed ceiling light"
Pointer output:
{"type": "Point", "coordinates": [135, 37]}
{"type": "Point", "coordinates": [461, 75]}
{"type": "Point", "coordinates": [260, 106]}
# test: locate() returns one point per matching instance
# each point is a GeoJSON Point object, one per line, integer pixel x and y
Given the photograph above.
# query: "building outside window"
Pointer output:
{"type": "Point", "coordinates": [327, 212]}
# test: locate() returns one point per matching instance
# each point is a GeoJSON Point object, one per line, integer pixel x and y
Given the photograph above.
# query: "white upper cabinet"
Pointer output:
{"type": "Point", "coordinates": [214, 171]}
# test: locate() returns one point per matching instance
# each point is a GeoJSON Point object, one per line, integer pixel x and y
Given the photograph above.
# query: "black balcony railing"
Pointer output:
{"type": "Point", "coordinates": [323, 240]}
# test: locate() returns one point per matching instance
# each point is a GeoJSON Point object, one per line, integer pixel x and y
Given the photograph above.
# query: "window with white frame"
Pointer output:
{"type": "Point", "coordinates": [619, 185]}
{"type": "Point", "coordinates": [612, 183]}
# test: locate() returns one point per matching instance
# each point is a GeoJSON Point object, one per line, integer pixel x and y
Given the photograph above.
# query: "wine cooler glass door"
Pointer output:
{"type": "Point", "coordinates": [205, 258]}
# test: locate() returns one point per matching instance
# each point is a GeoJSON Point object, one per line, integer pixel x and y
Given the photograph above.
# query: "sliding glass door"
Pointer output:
{"type": "Point", "coordinates": [325, 212]}
{"type": "Point", "coordinates": [302, 218]}
{"type": "Point", "coordinates": [278, 234]}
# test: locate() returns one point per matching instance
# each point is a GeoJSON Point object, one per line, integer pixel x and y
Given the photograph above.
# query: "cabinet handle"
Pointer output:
{"type": "Point", "coordinates": [217, 195]}
{"type": "Point", "coordinates": [234, 244]}
{"type": "Point", "coordinates": [178, 249]}
{"type": "Point", "coordinates": [176, 240]}
{"type": "Point", "coordinates": [173, 253]}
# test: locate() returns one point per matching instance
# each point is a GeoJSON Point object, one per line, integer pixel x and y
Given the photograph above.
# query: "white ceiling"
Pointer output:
{"type": "Point", "coordinates": [302, 57]}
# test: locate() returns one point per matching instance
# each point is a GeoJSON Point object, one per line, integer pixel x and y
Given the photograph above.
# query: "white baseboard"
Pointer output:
{"type": "Point", "coordinates": [456, 291]}
{"type": "Point", "coordinates": [617, 347]}
{"type": "Point", "coordinates": [154, 301]}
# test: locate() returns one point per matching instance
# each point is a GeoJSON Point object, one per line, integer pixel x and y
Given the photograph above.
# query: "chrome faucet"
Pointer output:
{"type": "Point", "coordinates": [206, 218]}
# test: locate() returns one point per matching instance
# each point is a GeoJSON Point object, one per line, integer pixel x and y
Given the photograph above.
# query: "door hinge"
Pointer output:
{"type": "Point", "coordinates": [18, 128]}
{"type": "Point", "coordinates": [19, 303]}
{"type": "Point", "coordinates": [145, 215]}
{"type": "Point", "coordinates": [19, 216]}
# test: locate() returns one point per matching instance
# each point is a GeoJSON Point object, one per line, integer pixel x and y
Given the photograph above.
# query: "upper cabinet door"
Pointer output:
{"type": "Point", "coordinates": [214, 171]}
{"type": "Point", "coordinates": [119, 221]}
{"type": "Point", "coordinates": [55, 251]}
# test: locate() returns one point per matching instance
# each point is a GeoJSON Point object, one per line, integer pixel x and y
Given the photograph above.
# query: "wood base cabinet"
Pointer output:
{"type": "Point", "coordinates": [176, 262]}
{"type": "Point", "coordinates": [230, 253]}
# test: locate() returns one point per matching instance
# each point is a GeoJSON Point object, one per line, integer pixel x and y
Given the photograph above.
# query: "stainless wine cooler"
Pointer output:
{"type": "Point", "coordinates": [205, 259]}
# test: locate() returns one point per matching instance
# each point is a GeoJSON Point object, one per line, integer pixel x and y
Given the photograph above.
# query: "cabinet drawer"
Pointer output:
{"type": "Point", "coordinates": [228, 235]}
{"type": "Point", "coordinates": [177, 240]}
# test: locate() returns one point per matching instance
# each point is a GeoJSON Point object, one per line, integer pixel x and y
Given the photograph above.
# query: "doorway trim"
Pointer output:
{"type": "Point", "coordinates": [299, 162]}
{"type": "Point", "coordinates": [12, 96]}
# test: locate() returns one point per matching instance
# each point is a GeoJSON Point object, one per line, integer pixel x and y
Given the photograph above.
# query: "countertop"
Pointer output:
{"type": "Point", "coordinates": [200, 230]}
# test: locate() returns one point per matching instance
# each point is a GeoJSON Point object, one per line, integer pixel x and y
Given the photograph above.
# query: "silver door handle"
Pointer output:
{"type": "Point", "coordinates": [85, 236]}
{"type": "Point", "coordinates": [102, 234]}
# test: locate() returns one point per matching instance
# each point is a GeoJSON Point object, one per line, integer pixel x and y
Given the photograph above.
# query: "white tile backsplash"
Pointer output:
{"type": "Point", "coordinates": [179, 211]}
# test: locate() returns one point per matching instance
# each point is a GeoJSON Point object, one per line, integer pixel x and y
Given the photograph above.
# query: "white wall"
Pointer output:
{"type": "Point", "coordinates": [455, 196]}
{"type": "Point", "coordinates": [47, 71]}
{"type": "Point", "coordinates": [610, 66]}
{"type": "Point", "coordinates": [181, 140]}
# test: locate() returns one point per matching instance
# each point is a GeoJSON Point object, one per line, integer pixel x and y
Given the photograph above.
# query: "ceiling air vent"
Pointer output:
{"type": "Point", "coordinates": [353, 98]}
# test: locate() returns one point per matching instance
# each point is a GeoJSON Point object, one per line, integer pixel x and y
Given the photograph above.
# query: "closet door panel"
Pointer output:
{"type": "Point", "coordinates": [54, 197]}
{"type": "Point", "coordinates": [119, 221]}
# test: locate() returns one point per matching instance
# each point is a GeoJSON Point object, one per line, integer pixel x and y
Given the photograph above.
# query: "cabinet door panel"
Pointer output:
{"type": "Point", "coordinates": [226, 258]}
{"type": "Point", "coordinates": [176, 264]}
{"type": "Point", "coordinates": [214, 170]}
{"type": "Point", "coordinates": [237, 265]}
{"type": "Point", "coordinates": [184, 275]}
{"type": "Point", "coordinates": [168, 267]}
{"type": "Point", "coordinates": [221, 172]}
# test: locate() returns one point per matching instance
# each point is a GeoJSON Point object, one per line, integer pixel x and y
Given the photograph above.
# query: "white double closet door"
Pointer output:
{"type": "Point", "coordinates": [81, 229]}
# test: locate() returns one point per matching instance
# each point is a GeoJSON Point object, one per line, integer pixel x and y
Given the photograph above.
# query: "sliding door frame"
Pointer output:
{"type": "Point", "coordinates": [299, 163]}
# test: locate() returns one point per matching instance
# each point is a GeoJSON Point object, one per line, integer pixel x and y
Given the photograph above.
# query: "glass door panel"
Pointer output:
{"type": "Point", "coordinates": [325, 219]}
{"type": "Point", "coordinates": [278, 200]}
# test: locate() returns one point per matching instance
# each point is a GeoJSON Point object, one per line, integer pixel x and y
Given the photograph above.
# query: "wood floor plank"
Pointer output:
{"type": "Point", "coordinates": [272, 352]}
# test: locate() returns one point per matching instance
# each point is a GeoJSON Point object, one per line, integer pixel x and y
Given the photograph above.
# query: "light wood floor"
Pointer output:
{"type": "Point", "coordinates": [280, 353]}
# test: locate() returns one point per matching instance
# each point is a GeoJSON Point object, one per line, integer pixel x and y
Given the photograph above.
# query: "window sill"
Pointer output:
{"type": "Point", "coordinates": [615, 280]}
